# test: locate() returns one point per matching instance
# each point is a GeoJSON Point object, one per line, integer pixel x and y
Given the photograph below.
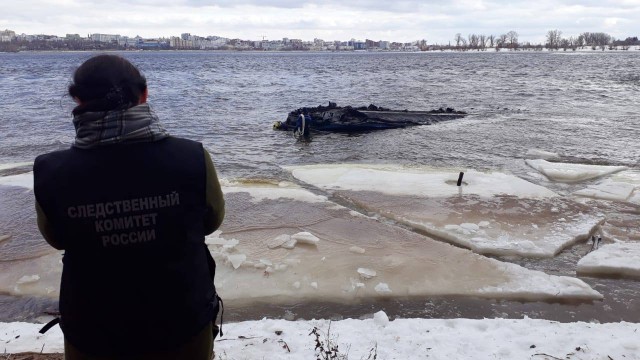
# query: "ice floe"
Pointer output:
{"type": "Point", "coordinates": [21, 180]}
{"type": "Point", "coordinates": [38, 276]}
{"type": "Point", "coordinates": [541, 154]}
{"type": "Point", "coordinates": [265, 191]}
{"type": "Point", "coordinates": [14, 165]}
{"type": "Point", "coordinates": [425, 182]}
{"type": "Point", "coordinates": [524, 219]}
{"type": "Point", "coordinates": [405, 263]}
{"type": "Point", "coordinates": [622, 186]}
{"type": "Point", "coordinates": [617, 259]}
{"type": "Point", "coordinates": [608, 190]}
{"type": "Point", "coordinates": [567, 172]}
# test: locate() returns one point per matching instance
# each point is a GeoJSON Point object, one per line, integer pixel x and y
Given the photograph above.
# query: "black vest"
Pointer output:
{"type": "Point", "coordinates": [131, 220]}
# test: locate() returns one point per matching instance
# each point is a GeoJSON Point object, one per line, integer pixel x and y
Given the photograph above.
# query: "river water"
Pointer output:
{"type": "Point", "coordinates": [583, 106]}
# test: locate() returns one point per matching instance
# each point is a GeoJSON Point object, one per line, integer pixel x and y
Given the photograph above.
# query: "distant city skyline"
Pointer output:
{"type": "Point", "coordinates": [437, 21]}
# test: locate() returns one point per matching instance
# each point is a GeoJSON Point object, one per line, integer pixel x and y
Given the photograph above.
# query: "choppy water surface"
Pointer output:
{"type": "Point", "coordinates": [581, 105]}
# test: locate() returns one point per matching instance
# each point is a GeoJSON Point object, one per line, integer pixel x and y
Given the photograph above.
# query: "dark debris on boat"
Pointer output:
{"type": "Point", "coordinates": [347, 119]}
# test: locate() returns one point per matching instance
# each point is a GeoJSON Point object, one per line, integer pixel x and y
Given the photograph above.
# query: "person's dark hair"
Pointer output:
{"type": "Point", "coordinates": [106, 82]}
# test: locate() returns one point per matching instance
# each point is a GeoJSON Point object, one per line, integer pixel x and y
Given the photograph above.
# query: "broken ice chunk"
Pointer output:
{"type": "Point", "coordinates": [366, 273]}
{"type": "Point", "coordinates": [278, 241]}
{"type": "Point", "coordinates": [209, 240]}
{"type": "Point", "coordinates": [266, 262]}
{"type": "Point", "coordinates": [541, 154]}
{"type": "Point", "coordinates": [381, 319]}
{"type": "Point", "coordinates": [314, 285]}
{"type": "Point", "coordinates": [281, 267]}
{"type": "Point", "coordinates": [357, 250]}
{"type": "Point", "coordinates": [28, 279]}
{"type": "Point", "coordinates": [236, 259]}
{"type": "Point", "coordinates": [305, 238]}
{"type": "Point", "coordinates": [290, 244]}
{"type": "Point", "coordinates": [230, 244]}
{"type": "Point", "coordinates": [469, 226]}
{"type": "Point", "coordinates": [292, 262]}
{"type": "Point", "coordinates": [382, 288]}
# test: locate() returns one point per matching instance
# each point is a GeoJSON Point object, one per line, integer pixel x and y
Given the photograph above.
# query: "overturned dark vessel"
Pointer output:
{"type": "Point", "coordinates": [333, 118]}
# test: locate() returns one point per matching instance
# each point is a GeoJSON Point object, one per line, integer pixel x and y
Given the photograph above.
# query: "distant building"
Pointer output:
{"type": "Point", "coordinates": [105, 38]}
{"type": "Point", "coordinates": [7, 35]}
{"type": "Point", "coordinates": [129, 42]}
{"type": "Point", "coordinates": [150, 44]}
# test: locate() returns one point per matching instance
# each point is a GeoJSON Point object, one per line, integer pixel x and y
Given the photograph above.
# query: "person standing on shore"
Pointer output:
{"type": "Point", "coordinates": [130, 206]}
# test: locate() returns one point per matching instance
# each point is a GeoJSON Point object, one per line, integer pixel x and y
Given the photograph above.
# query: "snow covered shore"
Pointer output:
{"type": "Point", "coordinates": [398, 339]}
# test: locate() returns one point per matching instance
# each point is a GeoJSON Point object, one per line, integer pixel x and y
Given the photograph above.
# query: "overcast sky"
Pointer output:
{"type": "Point", "coordinates": [437, 21]}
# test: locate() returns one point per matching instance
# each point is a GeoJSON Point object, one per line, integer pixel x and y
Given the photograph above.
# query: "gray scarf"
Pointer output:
{"type": "Point", "coordinates": [136, 124]}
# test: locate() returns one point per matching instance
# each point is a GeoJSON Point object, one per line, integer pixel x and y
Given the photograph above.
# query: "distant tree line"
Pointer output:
{"type": "Point", "coordinates": [554, 41]}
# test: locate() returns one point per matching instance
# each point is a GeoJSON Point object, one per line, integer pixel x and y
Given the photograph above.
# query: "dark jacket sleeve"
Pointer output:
{"type": "Point", "coordinates": [45, 228]}
{"type": "Point", "coordinates": [215, 200]}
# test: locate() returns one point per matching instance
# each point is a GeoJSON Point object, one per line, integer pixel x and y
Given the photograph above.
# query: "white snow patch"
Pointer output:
{"type": "Point", "coordinates": [399, 339]}
{"type": "Point", "coordinates": [566, 172]}
{"type": "Point", "coordinates": [618, 259]}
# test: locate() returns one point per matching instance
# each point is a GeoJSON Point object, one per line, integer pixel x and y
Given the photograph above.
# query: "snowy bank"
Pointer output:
{"type": "Point", "coordinates": [398, 339]}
